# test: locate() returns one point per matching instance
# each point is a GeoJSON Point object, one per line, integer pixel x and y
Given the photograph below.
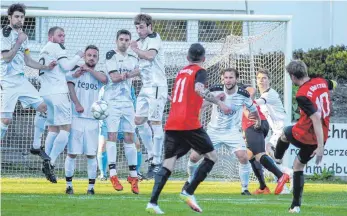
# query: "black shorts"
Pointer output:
{"type": "Point", "coordinates": [178, 143]}
{"type": "Point", "coordinates": [256, 138]}
{"type": "Point", "coordinates": [305, 151]}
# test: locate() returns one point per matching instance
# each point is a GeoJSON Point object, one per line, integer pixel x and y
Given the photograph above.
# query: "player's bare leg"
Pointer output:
{"type": "Point", "coordinates": [131, 156]}
{"type": "Point", "coordinates": [244, 170]}
{"type": "Point", "coordinates": [145, 133]}
{"type": "Point", "coordinates": [111, 149]}
{"type": "Point", "coordinates": [201, 173]}
{"type": "Point", "coordinates": [102, 158]}
{"type": "Point", "coordinates": [70, 162]}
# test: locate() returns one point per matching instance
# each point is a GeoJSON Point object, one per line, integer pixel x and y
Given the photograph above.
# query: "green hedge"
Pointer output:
{"type": "Point", "coordinates": [330, 63]}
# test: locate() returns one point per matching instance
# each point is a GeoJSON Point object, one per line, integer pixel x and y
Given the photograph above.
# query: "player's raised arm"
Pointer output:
{"type": "Point", "coordinates": [36, 65]}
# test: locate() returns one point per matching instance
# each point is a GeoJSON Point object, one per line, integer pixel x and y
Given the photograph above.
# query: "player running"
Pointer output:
{"type": "Point", "coordinates": [310, 133]}
{"type": "Point", "coordinates": [183, 129]}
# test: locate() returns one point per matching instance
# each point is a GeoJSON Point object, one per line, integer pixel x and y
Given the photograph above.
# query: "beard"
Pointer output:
{"type": "Point", "coordinates": [18, 25]}
{"type": "Point", "coordinates": [90, 65]}
{"type": "Point", "coordinates": [232, 86]}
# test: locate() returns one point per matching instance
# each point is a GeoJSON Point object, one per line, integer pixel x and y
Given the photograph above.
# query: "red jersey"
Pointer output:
{"type": "Point", "coordinates": [312, 96]}
{"type": "Point", "coordinates": [246, 123]}
{"type": "Point", "coordinates": [186, 103]}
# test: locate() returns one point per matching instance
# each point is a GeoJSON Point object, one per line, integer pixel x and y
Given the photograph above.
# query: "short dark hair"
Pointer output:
{"type": "Point", "coordinates": [236, 72]}
{"type": "Point", "coordinates": [123, 31]}
{"type": "Point", "coordinates": [264, 71]}
{"type": "Point", "coordinates": [91, 47]}
{"type": "Point", "coordinates": [16, 7]}
{"type": "Point", "coordinates": [53, 29]}
{"type": "Point", "coordinates": [297, 68]}
{"type": "Point", "coordinates": [196, 53]}
{"type": "Point", "coordinates": [143, 18]}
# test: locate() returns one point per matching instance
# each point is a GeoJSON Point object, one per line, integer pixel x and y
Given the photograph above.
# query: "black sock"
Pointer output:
{"type": "Point", "coordinates": [200, 174]}
{"type": "Point", "coordinates": [258, 172]}
{"type": "Point", "coordinates": [68, 179]}
{"type": "Point", "coordinates": [159, 181]}
{"type": "Point", "coordinates": [270, 165]}
{"type": "Point", "coordinates": [281, 148]}
{"type": "Point", "coordinates": [298, 187]}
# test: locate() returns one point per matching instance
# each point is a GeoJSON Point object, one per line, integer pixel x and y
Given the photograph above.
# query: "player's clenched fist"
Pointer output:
{"type": "Point", "coordinates": [134, 45]}
{"type": "Point", "coordinates": [80, 53]}
{"type": "Point", "coordinates": [21, 37]}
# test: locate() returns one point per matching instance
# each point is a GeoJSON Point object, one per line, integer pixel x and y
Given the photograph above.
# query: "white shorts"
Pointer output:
{"type": "Point", "coordinates": [59, 109]}
{"type": "Point", "coordinates": [40, 120]}
{"type": "Point", "coordinates": [84, 136]}
{"type": "Point", "coordinates": [17, 88]}
{"type": "Point", "coordinates": [233, 140]}
{"type": "Point", "coordinates": [120, 119]}
{"type": "Point", "coordinates": [151, 102]}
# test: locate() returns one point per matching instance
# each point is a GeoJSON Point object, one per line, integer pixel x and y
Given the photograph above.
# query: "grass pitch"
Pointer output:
{"type": "Point", "coordinates": [39, 197]}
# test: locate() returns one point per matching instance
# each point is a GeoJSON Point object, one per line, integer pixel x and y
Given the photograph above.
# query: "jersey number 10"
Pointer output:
{"type": "Point", "coordinates": [179, 87]}
{"type": "Point", "coordinates": [325, 111]}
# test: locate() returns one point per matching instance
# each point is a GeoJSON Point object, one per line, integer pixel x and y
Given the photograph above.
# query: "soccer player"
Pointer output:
{"type": "Point", "coordinates": [55, 92]}
{"type": "Point", "coordinates": [310, 133]}
{"type": "Point", "coordinates": [14, 86]}
{"type": "Point", "coordinates": [121, 67]}
{"type": "Point", "coordinates": [225, 129]}
{"type": "Point", "coordinates": [84, 91]}
{"type": "Point", "coordinates": [255, 139]}
{"type": "Point", "coordinates": [153, 95]}
{"type": "Point", "coordinates": [272, 106]}
{"type": "Point", "coordinates": [183, 130]}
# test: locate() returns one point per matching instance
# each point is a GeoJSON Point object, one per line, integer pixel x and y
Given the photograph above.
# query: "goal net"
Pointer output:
{"type": "Point", "coordinates": [245, 42]}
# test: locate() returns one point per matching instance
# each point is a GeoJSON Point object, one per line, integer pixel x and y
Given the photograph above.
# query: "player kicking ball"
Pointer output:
{"type": "Point", "coordinates": [84, 84]}
{"type": "Point", "coordinates": [183, 130]}
{"type": "Point", "coordinates": [310, 133]}
{"type": "Point", "coordinates": [255, 138]}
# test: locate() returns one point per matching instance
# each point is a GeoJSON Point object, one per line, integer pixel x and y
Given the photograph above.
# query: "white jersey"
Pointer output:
{"type": "Point", "coordinates": [273, 109]}
{"type": "Point", "coordinates": [225, 123]}
{"type": "Point", "coordinates": [52, 81]}
{"type": "Point", "coordinates": [153, 72]}
{"type": "Point", "coordinates": [8, 40]}
{"type": "Point", "coordinates": [121, 91]}
{"type": "Point", "coordinates": [87, 89]}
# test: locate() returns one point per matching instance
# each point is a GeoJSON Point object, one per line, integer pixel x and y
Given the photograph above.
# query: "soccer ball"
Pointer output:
{"type": "Point", "coordinates": [99, 110]}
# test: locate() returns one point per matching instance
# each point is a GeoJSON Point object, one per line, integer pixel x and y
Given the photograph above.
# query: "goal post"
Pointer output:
{"type": "Point", "coordinates": [225, 37]}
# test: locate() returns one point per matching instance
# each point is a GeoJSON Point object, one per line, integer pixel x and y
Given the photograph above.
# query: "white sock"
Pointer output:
{"type": "Point", "coordinates": [191, 168]}
{"type": "Point", "coordinates": [69, 170]}
{"type": "Point", "coordinates": [37, 137]}
{"type": "Point", "coordinates": [4, 128]}
{"type": "Point", "coordinates": [111, 149]}
{"type": "Point", "coordinates": [285, 169]}
{"type": "Point", "coordinates": [131, 155]}
{"type": "Point", "coordinates": [145, 133]}
{"type": "Point", "coordinates": [244, 171]}
{"type": "Point", "coordinates": [49, 142]}
{"type": "Point", "coordinates": [157, 143]}
{"type": "Point", "coordinates": [92, 168]}
{"type": "Point", "coordinates": [59, 145]}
